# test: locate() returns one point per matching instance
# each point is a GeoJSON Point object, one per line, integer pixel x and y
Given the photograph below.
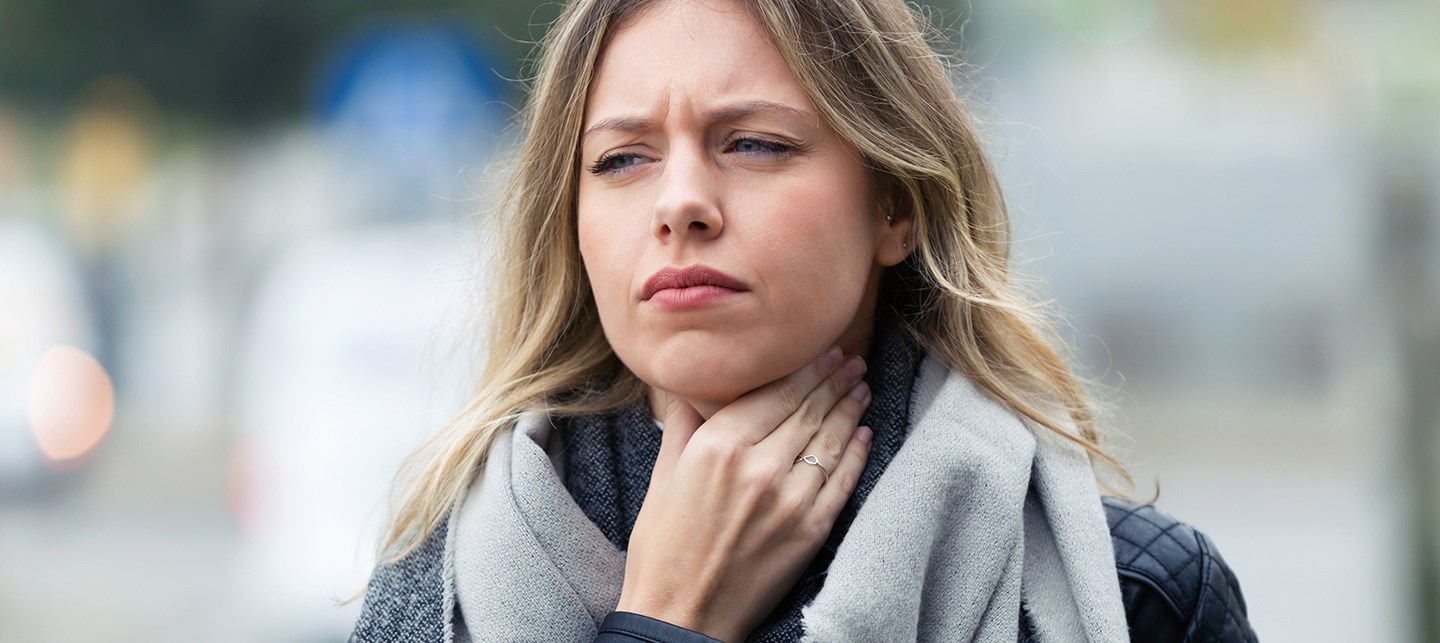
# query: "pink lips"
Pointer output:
{"type": "Point", "coordinates": [690, 287]}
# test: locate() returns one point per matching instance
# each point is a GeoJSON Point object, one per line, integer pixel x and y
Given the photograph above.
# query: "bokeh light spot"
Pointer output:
{"type": "Point", "coordinates": [106, 161]}
{"type": "Point", "coordinates": [239, 485]}
{"type": "Point", "coordinates": [71, 403]}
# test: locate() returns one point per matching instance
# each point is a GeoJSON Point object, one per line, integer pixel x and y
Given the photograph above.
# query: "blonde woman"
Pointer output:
{"type": "Point", "coordinates": [759, 371]}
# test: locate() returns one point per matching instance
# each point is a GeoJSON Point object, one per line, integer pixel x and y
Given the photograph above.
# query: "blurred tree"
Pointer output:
{"type": "Point", "coordinates": [1241, 27]}
{"type": "Point", "coordinates": [1408, 161]}
{"type": "Point", "coordinates": [235, 62]}
{"type": "Point", "coordinates": [226, 61]}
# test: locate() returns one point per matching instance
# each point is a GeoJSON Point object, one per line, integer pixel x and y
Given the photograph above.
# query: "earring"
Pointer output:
{"type": "Point", "coordinates": [889, 218]}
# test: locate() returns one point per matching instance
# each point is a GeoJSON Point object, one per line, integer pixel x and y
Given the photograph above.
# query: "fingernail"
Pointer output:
{"type": "Point", "coordinates": [832, 356]}
{"type": "Point", "coordinates": [863, 434]}
{"type": "Point", "coordinates": [854, 367]}
{"type": "Point", "coordinates": [859, 391]}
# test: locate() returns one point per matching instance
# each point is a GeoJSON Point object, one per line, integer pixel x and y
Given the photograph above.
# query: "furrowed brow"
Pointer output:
{"type": "Point", "coordinates": [617, 123]}
{"type": "Point", "coordinates": [752, 107]}
{"type": "Point", "coordinates": [727, 113]}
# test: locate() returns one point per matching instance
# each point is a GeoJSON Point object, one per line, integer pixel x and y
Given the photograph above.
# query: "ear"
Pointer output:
{"type": "Point", "coordinates": [896, 238]}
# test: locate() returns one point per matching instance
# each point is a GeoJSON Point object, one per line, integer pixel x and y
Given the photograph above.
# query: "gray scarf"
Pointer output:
{"type": "Point", "coordinates": [608, 459]}
{"type": "Point", "coordinates": [973, 515]}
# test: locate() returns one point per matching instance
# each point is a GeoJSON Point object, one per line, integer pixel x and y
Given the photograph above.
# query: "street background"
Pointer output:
{"type": "Point", "coordinates": [237, 252]}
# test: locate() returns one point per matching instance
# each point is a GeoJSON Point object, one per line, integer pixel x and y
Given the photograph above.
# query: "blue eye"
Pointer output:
{"type": "Point", "coordinates": [622, 161]}
{"type": "Point", "coordinates": [759, 146]}
{"type": "Point", "coordinates": [614, 163]}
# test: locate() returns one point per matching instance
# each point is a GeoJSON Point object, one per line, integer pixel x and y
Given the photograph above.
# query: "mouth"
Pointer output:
{"type": "Point", "coordinates": [690, 286]}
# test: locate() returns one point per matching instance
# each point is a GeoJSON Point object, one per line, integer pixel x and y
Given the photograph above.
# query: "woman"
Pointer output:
{"type": "Point", "coordinates": [759, 369]}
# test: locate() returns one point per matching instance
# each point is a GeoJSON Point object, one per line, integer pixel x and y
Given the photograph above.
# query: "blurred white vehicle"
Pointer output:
{"type": "Point", "coordinates": [345, 369]}
{"type": "Point", "coordinates": [42, 305]}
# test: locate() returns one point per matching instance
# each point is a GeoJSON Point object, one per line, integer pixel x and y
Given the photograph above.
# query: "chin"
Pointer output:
{"type": "Point", "coordinates": [714, 377]}
{"type": "Point", "coordinates": [701, 381]}
{"type": "Point", "coordinates": [717, 368]}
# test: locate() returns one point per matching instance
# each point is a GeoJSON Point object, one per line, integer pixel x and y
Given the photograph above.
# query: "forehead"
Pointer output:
{"type": "Point", "coordinates": [692, 51]}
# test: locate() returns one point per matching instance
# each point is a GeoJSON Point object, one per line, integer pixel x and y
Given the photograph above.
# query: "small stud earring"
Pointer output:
{"type": "Point", "coordinates": [889, 218]}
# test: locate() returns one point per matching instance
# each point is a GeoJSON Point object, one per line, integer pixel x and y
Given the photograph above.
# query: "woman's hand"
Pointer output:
{"type": "Point", "coordinates": [731, 519]}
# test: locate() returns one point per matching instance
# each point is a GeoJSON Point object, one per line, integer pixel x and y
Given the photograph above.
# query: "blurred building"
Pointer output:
{"type": "Point", "coordinates": [1231, 202]}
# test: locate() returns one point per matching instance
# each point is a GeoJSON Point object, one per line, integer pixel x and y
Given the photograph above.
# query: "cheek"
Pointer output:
{"type": "Point", "coordinates": [590, 247]}
{"type": "Point", "coordinates": [601, 239]}
{"type": "Point", "coordinates": [818, 256]}
{"type": "Point", "coordinates": [590, 244]}
{"type": "Point", "coordinates": [598, 254]}
{"type": "Point", "coordinates": [823, 237]}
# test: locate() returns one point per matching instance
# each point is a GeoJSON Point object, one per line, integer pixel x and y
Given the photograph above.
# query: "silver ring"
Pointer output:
{"type": "Point", "coordinates": [811, 459]}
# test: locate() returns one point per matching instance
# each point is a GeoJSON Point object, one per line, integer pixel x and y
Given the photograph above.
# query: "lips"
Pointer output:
{"type": "Point", "coordinates": [691, 277]}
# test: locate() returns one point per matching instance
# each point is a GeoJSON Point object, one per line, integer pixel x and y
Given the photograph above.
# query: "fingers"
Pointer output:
{"type": "Point", "coordinates": [760, 411]}
{"type": "Point", "coordinates": [841, 392]}
{"type": "Point", "coordinates": [680, 422]}
{"type": "Point", "coordinates": [843, 478]}
{"type": "Point", "coordinates": [828, 443]}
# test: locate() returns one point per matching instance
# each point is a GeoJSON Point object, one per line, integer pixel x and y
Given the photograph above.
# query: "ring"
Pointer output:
{"type": "Point", "coordinates": [811, 459]}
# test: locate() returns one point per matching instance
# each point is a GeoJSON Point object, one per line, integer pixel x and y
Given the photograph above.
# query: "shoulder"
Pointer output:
{"type": "Point", "coordinates": [405, 599]}
{"type": "Point", "coordinates": [1173, 578]}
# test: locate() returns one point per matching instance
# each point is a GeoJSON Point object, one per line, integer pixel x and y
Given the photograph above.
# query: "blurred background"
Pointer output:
{"type": "Point", "coordinates": [237, 249]}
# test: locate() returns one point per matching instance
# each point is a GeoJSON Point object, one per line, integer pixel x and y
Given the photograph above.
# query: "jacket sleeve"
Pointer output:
{"type": "Point", "coordinates": [1175, 584]}
{"type": "Point", "coordinates": [625, 627]}
{"type": "Point", "coordinates": [1220, 614]}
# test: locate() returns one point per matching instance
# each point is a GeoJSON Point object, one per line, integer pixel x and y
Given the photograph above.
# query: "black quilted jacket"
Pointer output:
{"type": "Point", "coordinates": [1175, 585]}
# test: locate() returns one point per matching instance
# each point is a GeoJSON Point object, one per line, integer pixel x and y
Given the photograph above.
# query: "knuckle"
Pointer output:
{"type": "Point", "coordinates": [821, 368]}
{"type": "Point", "coordinates": [852, 407]}
{"type": "Point", "coordinates": [831, 444]}
{"type": "Point", "coordinates": [817, 527]}
{"type": "Point", "coordinates": [789, 395]}
{"type": "Point", "coordinates": [792, 502]}
{"type": "Point", "coordinates": [810, 412]}
{"type": "Point", "coordinates": [715, 450]}
{"type": "Point", "coordinates": [762, 476]}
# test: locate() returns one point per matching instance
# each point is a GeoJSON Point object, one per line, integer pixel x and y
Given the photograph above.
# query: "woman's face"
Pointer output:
{"type": "Point", "coordinates": [729, 234]}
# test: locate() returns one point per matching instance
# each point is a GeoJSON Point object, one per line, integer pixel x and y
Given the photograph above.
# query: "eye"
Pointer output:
{"type": "Point", "coordinates": [752, 145]}
{"type": "Point", "coordinates": [615, 162]}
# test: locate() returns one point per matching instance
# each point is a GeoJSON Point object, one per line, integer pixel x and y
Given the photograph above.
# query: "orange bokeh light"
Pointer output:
{"type": "Point", "coordinates": [71, 403]}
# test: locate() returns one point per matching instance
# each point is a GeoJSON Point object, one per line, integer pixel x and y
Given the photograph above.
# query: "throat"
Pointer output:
{"type": "Point", "coordinates": [660, 400]}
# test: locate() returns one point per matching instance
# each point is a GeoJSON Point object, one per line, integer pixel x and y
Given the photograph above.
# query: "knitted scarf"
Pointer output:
{"type": "Point", "coordinates": [974, 516]}
{"type": "Point", "coordinates": [609, 457]}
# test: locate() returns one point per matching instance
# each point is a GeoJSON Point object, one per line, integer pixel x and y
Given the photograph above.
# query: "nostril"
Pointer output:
{"type": "Point", "coordinates": [699, 225]}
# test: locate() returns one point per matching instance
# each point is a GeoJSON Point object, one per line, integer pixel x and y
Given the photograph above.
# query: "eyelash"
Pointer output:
{"type": "Point", "coordinates": [606, 164]}
{"type": "Point", "coordinates": [770, 147]}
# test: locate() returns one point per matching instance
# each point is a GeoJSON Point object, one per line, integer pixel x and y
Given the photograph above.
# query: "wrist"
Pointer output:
{"type": "Point", "coordinates": [627, 627]}
{"type": "Point", "coordinates": [673, 612]}
{"type": "Point", "coordinates": [666, 611]}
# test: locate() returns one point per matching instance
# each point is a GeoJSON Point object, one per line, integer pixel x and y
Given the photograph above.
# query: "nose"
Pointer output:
{"type": "Point", "coordinates": [688, 205]}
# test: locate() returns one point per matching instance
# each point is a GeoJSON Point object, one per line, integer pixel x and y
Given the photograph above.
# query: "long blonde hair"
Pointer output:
{"type": "Point", "coordinates": [869, 69]}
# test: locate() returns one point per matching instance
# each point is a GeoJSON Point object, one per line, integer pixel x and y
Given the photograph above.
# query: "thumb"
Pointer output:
{"type": "Point", "coordinates": [680, 422]}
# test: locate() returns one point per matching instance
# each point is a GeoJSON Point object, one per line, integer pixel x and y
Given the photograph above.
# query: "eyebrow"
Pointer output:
{"type": "Point", "coordinates": [733, 112]}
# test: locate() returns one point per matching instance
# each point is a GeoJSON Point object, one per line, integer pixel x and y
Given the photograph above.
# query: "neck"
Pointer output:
{"type": "Point", "coordinates": [855, 341]}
